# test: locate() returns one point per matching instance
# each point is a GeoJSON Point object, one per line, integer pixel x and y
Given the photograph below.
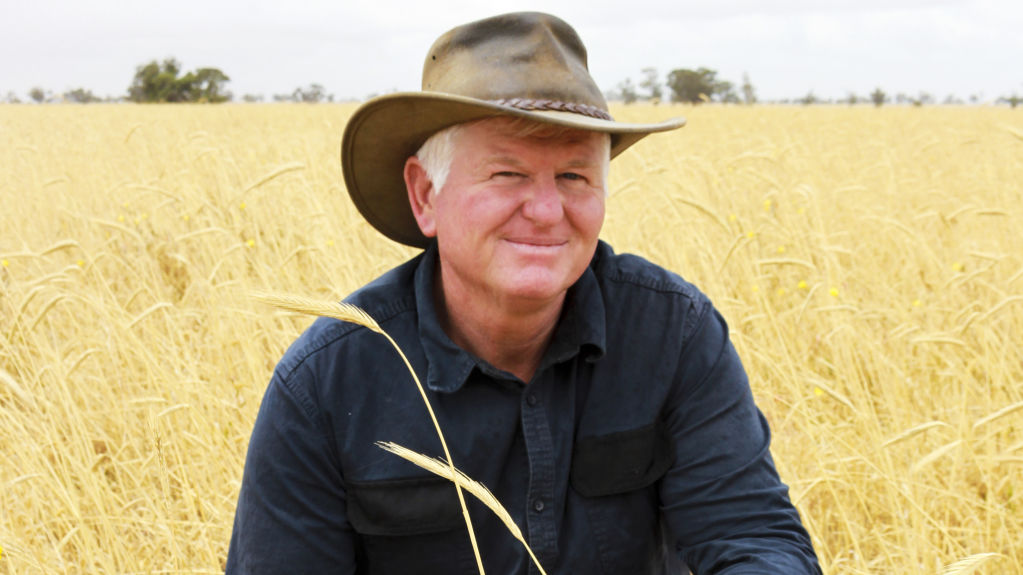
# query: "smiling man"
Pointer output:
{"type": "Point", "coordinates": [595, 394]}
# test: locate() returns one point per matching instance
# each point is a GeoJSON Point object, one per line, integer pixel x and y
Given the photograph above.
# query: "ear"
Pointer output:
{"type": "Point", "coordinates": [421, 196]}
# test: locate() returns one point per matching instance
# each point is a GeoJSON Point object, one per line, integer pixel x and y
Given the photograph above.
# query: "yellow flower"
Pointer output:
{"type": "Point", "coordinates": [731, 217]}
{"type": "Point", "coordinates": [750, 234]}
{"type": "Point", "coordinates": [767, 205]}
{"type": "Point", "coordinates": [833, 292]}
{"type": "Point", "coordinates": [781, 249]}
{"type": "Point", "coordinates": [242, 206]}
{"type": "Point", "coordinates": [250, 243]}
{"type": "Point", "coordinates": [120, 217]}
{"type": "Point", "coordinates": [80, 263]}
{"type": "Point", "coordinates": [958, 266]}
{"type": "Point", "coordinates": [782, 291]}
{"type": "Point", "coordinates": [818, 391]}
{"type": "Point", "coordinates": [802, 285]}
{"type": "Point", "coordinates": [330, 243]}
{"type": "Point", "coordinates": [801, 211]}
{"type": "Point", "coordinates": [755, 288]}
{"type": "Point", "coordinates": [917, 303]}
{"type": "Point", "coordinates": [185, 217]}
{"type": "Point", "coordinates": [4, 263]}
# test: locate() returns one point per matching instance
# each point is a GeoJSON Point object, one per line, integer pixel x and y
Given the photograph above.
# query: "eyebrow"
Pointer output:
{"type": "Point", "coordinates": [512, 161]}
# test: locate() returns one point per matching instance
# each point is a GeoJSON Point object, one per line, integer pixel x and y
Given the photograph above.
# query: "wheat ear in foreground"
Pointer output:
{"type": "Point", "coordinates": [354, 314]}
{"type": "Point", "coordinates": [477, 489]}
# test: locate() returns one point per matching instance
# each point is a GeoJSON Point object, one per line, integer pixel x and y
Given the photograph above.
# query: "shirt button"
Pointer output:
{"type": "Point", "coordinates": [532, 401]}
{"type": "Point", "coordinates": [538, 505]}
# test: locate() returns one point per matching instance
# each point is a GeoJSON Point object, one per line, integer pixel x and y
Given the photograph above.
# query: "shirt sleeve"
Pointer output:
{"type": "Point", "coordinates": [728, 511]}
{"type": "Point", "coordinates": [291, 508]}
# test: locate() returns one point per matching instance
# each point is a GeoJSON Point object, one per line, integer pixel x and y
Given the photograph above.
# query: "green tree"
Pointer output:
{"type": "Point", "coordinates": [1013, 100]}
{"type": "Point", "coordinates": [37, 94]}
{"type": "Point", "coordinates": [208, 86]}
{"type": "Point", "coordinates": [700, 85]}
{"type": "Point", "coordinates": [652, 84]}
{"type": "Point", "coordinates": [313, 94]}
{"type": "Point", "coordinates": [161, 82]}
{"type": "Point", "coordinates": [81, 96]}
{"type": "Point", "coordinates": [878, 97]}
{"type": "Point", "coordinates": [626, 91]}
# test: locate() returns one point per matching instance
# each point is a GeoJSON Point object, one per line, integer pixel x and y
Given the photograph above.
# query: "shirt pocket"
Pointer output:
{"type": "Point", "coordinates": [409, 526]}
{"type": "Point", "coordinates": [620, 462]}
{"type": "Point", "coordinates": [616, 477]}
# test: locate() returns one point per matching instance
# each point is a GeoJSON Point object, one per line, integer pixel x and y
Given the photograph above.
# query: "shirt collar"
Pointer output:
{"type": "Point", "coordinates": [581, 329]}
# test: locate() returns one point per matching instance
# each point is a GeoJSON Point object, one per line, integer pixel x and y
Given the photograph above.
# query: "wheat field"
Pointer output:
{"type": "Point", "coordinates": [869, 262]}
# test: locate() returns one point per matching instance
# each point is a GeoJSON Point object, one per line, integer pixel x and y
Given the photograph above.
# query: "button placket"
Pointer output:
{"type": "Point", "coordinates": [541, 533]}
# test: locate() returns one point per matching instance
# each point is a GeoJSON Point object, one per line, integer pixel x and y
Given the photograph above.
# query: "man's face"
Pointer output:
{"type": "Point", "coordinates": [518, 217]}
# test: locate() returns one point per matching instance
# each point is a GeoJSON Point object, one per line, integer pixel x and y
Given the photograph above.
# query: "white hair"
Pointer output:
{"type": "Point", "coordinates": [438, 152]}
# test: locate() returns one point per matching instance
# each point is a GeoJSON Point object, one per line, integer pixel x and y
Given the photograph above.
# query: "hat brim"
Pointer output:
{"type": "Point", "coordinates": [385, 131]}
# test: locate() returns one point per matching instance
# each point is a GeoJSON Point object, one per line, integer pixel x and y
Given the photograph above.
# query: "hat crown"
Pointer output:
{"type": "Point", "coordinates": [525, 55]}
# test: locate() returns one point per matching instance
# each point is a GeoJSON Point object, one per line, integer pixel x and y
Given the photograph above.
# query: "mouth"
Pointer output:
{"type": "Point", "coordinates": [536, 245]}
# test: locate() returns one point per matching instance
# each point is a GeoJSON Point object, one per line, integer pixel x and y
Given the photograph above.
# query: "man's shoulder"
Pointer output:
{"type": "Point", "coordinates": [635, 274]}
{"type": "Point", "coordinates": [387, 296]}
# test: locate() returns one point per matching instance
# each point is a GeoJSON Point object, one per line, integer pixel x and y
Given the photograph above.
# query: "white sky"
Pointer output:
{"type": "Point", "coordinates": [788, 47]}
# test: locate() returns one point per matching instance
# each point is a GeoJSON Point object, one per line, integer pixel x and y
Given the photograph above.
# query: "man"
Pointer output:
{"type": "Point", "coordinates": [595, 394]}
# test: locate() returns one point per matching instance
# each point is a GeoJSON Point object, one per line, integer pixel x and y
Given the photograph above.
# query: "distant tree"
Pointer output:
{"type": "Point", "coordinates": [749, 94]}
{"type": "Point", "coordinates": [700, 85]}
{"type": "Point", "coordinates": [852, 99]}
{"type": "Point", "coordinates": [12, 98]}
{"type": "Point", "coordinates": [81, 96]}
{"type": "Point", "coordinates": [284, 97]}
{"type": "Point", "coordinates": [251, 98]}
{"type": "Point", "coordinates": [652, 84]}
{"type": "Point", "coordinates": [207, 85]}
{"type": "Point", "coordinates": [312, 94]}
{"type": "Point", "coordinates": [160, 82]}
{"type": "Point", "coordinates": [878, 97]}
{"type": "Point", "coordinates": [922, 99]}
{"type": "Point", "coordinates": [808, 99]}
{"type": "Point", "coordinates": [37, 94]}
{"type": "Point", "coordinates": [725, 92]}
{"type": "Point", "coordinates": [1013, 100]}
{"type": "Point", "coordinates": [627, 91]}
{"type": "Point", "coordinates": [952, 100]}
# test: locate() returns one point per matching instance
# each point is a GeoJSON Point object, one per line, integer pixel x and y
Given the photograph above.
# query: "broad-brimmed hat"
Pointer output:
{"type": "Point", "coordinates": [528, 65]}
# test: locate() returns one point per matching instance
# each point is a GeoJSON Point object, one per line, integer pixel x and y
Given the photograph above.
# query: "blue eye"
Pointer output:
{"type": "Point", "coordinates": [572, 176]}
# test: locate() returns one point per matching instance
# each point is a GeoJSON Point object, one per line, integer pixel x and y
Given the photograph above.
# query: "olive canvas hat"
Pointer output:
{"type": "Point", "coordinates": [527, 65]}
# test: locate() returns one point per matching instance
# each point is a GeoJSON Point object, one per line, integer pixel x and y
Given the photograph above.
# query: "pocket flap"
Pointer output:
{"type": "Point", "coordinates": [620, 462]}
{"type": "Point", "coordinates": [403, 506]}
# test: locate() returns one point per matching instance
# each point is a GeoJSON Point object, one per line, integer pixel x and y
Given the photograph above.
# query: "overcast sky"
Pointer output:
{"type": "Point", "coordinates": [353, 49]}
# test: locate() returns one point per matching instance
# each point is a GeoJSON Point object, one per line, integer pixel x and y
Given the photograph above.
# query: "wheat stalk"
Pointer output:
{"type": "Point", "coordinates": [969, 564]}
{"type": "Point", "coordinates": [477, 489]}
{"type": "Point", "coordinates": [354, 314]}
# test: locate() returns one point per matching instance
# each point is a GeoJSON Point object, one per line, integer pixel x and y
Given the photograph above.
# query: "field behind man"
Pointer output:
{"type": "Point", "coordinates": [869, 262]}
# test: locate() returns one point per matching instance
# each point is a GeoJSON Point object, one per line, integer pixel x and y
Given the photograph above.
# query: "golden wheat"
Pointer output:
{"type": "Point", "coordinates": [869, 263]}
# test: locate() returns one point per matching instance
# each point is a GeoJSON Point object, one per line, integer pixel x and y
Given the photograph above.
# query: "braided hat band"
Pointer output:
{"type": "Point", "coordinates": [553, 106]}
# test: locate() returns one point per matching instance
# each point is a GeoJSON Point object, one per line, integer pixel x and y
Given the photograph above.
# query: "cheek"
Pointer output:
{"type": "Point", "coordinates": [588, 216]}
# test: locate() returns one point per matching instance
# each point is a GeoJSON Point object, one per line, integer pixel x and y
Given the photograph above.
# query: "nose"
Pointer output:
{"type": "Point", "coordinates": [543, 205]}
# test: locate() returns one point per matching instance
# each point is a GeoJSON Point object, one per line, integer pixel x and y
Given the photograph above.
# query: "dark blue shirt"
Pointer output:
{"type": "Point", "coordinates": [635, 449]}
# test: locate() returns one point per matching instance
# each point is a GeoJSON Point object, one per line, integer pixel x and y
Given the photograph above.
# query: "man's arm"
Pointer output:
{"type": "Point", "coordinates": [291, 509]}
{"type": "Point", "coordinates": [727, 509]}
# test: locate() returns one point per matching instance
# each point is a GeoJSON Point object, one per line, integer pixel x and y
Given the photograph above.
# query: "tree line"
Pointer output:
{"type": "Point", "coordinates": [167, 81]}
{"type": "Point", "coordinates": [703, 85]}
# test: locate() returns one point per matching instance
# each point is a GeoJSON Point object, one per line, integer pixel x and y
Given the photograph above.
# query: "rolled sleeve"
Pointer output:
{"type": "Point", "coordinates": [291, 509]}
{"type": "Point", "coordinates": [728, 511]}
